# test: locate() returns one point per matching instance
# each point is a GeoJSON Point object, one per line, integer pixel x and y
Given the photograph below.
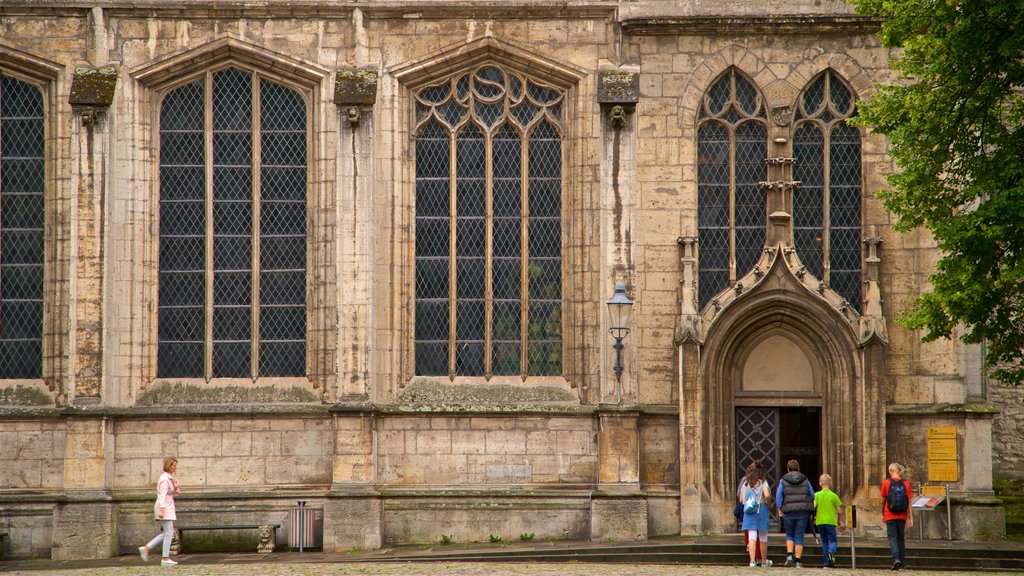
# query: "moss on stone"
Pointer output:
{"type": "Point", "coordinates": [433, 394]}
{"type": "Point", "coordinates": [93, 86]}
{"type": "Point", "coordinates": [24, 396]}
{"type": "Point", "coordinates": [184, 394]}
{"type": "Point", "coordinates": [355, 87]}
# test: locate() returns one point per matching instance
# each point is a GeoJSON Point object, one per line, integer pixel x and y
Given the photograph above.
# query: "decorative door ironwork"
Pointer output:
{"type": "Point", "coordinates": [757, 438]}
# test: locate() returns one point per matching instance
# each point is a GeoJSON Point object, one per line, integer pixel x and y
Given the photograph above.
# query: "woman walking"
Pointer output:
{"type": "Point", "coordinates": [163, 512]}
{"type": "Point", "coordinates": [755, 497]}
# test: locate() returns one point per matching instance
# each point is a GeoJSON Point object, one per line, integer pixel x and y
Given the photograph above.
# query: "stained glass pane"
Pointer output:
{"type": "Point", "coordinates": [182, 287]}
{"type": "Point", "coordinates": [750, 199]}
{"type": "Point", "coordinates": [814, 97]}
{"type": "Point", "coordinates": [184, 230]}
{"type": "Point", "coordinates": [747, 97]}
{"type": "Point", "coordinates": [432, 250]}
{"type": "Point", "coordinates": [544, 230]}
{"type": "Point", "coordinates": [838, 156]}
{"type": "Point", "coordinates": [808, 199]}
{"type": "Point", "coordinates": [282, 325]}
{"type": "Point", "coordinates": [731, 206]}
{"type": "Point", "coordinates": [470, 251]}
{"type": "Point", "coordinates": [488, 201]}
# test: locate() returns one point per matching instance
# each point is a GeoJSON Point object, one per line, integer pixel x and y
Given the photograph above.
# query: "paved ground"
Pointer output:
{"type": "Point", "coordinates": [278, 568]}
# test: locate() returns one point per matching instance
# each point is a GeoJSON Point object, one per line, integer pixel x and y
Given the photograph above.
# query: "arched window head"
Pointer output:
{"type": "Point", "coordinates": [827, 205]}
{"type": "Point", "coordinates": [732, 145]}
{"type": "Point", "coordinates": [22, 178]}
{"type": "Point", "coordinates": [488, 226]}
{"type": "Point", "coordinates": [233, 177]}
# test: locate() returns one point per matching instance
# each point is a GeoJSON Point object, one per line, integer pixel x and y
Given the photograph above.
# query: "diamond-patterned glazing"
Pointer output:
{"type": "Point", "coordinates": [825, 144]}
{"type": "Point", "coordinates": [186, 313]}
{"type": "Point", "coordinates": [732, 140]}
{"type": "Point", "coordinates": [487, 106]}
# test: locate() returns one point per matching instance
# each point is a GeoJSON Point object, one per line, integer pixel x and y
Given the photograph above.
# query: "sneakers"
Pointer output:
{"type": "Point", "coordinates": [831, 560]}
{"type": "Point", "coordinates": [144, 552]}
{"type": "Point", "coordinates": [789, 561]}
{"type": "Point", "coordinates": [754, 564]}
{"type": "Point", "coordinates": [798, 565]}
{"type": "Point", "coordinates": [767, 564]}
{"type": "Point", "coordinates": [897, 565]}
{"type": "Point", "coordinates": [168, 562]}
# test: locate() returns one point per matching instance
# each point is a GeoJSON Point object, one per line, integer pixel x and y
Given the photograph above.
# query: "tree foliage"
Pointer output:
{"type": "Point", "coordinates": [955, 127]}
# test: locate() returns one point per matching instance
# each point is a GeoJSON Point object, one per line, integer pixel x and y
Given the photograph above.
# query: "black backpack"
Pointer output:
{"type": "Point", "coordinates": [897, 500]}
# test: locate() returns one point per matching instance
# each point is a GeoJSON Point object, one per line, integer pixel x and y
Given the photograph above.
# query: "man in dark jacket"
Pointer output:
{"type": "Point", "coordinates": [795, 498]}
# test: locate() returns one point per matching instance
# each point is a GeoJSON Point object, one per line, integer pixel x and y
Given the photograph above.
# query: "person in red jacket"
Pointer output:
{"type": "Point", "coordinates": [897, 522]}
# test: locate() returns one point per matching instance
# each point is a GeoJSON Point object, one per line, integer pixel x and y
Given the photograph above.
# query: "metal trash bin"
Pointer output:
{"type": "Point", "coordinates": [301, 527]}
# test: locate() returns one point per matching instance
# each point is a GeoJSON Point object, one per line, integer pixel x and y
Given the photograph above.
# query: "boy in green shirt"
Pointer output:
{"type": "Point", "coordinates": [828, 513]}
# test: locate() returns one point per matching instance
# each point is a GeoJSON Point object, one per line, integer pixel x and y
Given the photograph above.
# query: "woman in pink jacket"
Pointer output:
{"type": "Point", "coordinates": [163, 512]}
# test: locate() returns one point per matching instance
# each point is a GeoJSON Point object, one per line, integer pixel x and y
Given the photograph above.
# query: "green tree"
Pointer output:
{"type": "Point", "coordinates": [955, 125]}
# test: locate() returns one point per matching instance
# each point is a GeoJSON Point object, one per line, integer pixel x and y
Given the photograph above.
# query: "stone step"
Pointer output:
{"type": "Point", "coordinates": [729, 551]}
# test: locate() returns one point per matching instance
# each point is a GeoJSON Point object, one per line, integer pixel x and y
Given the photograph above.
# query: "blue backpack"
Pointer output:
{"type": "Point", "coordinates": [897, 500]}
{"type": "Point", "coordinates": [751, 500]}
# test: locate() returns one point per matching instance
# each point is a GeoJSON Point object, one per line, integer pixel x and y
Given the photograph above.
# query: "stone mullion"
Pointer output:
{"type": "Point", "coordinates": [488, 250]}
{"type": "Point", "coordinates": [732, 201]}
{"type": "Point", "coordinates": [826, 203]}
{"type": "Point", "coordinates": [452, 214]}
{"type": "Point", "coordinates": [257, 161]}
{"type": "Point", "coordinates": [208, 161]}
{"type": "Point", "coordinates": [524, 254]}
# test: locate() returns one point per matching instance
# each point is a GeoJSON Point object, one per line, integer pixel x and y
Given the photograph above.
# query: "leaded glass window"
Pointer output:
{"type": "Point", "coordinates": [826, 206]}
{"type": "Point", "coordinates": [732, 145]}
{"type": "Point", "coordinates": [22, 175]}
{"type": "Point", "coordinates": [233, 173]}
{"type": "Point", "coordinates": [488, 226]}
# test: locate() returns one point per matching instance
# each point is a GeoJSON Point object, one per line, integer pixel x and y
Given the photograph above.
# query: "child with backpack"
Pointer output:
{"type": "Point", "coordinates": [828, 515]}
{"type": "Point", "coordinates": [896, 497]}
{"type": "Point", "coordinates": [755, 497]}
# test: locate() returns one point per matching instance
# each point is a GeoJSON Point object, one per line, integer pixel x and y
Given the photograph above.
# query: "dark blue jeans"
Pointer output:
{"type": "Point", "coordinates": [829, 541]}
{"type": "Point", "coordinates": [795, 528]}
{"type": "Point", "coordinates": [897, 531]}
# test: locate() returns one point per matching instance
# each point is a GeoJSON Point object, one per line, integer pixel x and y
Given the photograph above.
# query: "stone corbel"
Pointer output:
{"type": "Point", "coordinates": [618, 93]}
{"type": "Point", "coordinates": [355, 89]}
{"type": "Point", "coordinates": [92, 92]}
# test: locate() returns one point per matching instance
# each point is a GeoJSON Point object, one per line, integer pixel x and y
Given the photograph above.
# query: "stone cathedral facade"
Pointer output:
{"type": "Point", "coordinates": [359, 254]}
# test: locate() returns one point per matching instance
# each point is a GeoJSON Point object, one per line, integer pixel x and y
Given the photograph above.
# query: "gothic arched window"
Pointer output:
{"type": "Point", "coordinates": [22, 177]}
{"type": "Point", "coordinates": [488, 226]}
{"type": "Point", "coordinates": [233, 179]}
{"type": "Point", "coordinates": [826, 206]}
{"type": "Point", "coordinates": [732, 145]}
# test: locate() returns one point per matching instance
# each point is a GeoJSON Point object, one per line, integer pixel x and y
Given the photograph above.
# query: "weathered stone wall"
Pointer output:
{"type": "Point", "coordinates": [224, 453]}
{"type": "Point", "coordinates": [479, 451]}
{"type": "Point", "coordinates": [1007, 432]}
{"type": "Point", "coordinates": [579, 455]}
{"type": "Point", "coordinates": [32, 455]}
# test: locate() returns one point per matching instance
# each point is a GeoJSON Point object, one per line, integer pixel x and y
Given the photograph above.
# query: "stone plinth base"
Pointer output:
{"type": "Point", "coordinates": [618, 518]}
{"type": "Point", "coordinates": [352, 522]}
{"type": "Point", "coordinates": [84, 531]}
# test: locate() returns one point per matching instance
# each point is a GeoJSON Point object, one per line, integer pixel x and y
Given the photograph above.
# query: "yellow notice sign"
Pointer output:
{"type": "Point", "coordinates": [942, 454]}
{"type": "Point", "coordinates": [943, 471]}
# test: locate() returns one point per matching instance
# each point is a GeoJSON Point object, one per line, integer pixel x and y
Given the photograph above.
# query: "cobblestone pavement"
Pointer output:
{"type": "Point", "coordinates": [452, 569]}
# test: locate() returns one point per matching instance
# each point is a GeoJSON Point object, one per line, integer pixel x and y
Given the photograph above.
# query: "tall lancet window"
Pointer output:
{"type": "Point", "coordinates": [826, 206]}
{"type": "Point", "coordinates": [732, 146]}
{"type": "Point", "coordinates": [488, 226]}
{"type": "Point", "coordinates": [233, 173]}
{"type": "Point", "coordinates": [22, 177]}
